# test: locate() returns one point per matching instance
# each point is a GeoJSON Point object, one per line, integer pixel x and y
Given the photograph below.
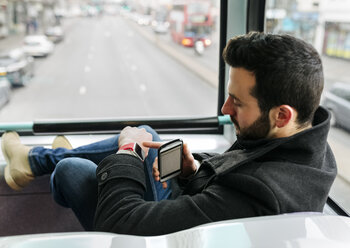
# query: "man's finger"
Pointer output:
{"type": "Point", "coordinates": [152, 144]}
{"type": "Point", "coordinates": [186, 148]}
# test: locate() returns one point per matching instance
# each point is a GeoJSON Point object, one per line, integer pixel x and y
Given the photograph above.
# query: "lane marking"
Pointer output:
{"type": "Point", "coordinates": [143, 87]}
{"type": "Point", "coordinates": [82, 90]}
{"type": "Point", "coordinates": [87, 68]}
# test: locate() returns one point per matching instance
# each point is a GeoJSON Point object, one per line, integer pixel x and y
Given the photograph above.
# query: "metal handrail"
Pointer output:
{"type": "Point", "coordinates": [162, 125]}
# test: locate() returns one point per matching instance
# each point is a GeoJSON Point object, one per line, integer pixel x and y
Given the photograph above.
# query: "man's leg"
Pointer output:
{"type": "Point", "coordinates": [43, 161]}
{"type": "Point", "coordinates": [23, 163]}
{"type": "Point", "coordinates": [74, 185]}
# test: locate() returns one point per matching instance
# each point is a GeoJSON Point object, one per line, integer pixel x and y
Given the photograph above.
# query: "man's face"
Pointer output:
{"type": "Point", "coordinates": [243, 108]}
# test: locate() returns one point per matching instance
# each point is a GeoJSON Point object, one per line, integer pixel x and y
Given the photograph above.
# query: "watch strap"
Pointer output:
{"type": "Point", "coordinates": [132, 149]}
{"type": "Point", "coordinates": [129, 146]}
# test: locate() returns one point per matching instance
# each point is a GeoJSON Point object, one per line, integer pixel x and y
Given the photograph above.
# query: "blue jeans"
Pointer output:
{"type": "Point", "coordinates": [73, 179]}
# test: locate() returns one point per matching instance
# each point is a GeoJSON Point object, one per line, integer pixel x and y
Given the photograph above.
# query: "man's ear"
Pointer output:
{"type": "Point", "coordinates": [284, 114]}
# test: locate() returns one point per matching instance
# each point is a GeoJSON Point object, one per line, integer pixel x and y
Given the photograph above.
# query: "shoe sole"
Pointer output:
{"type": "Point", "coordinates": [7, 175]}
{"type": "Point", "coordinates": [9, 180]}
{"type": "Point", "coordinates": [65, 144]}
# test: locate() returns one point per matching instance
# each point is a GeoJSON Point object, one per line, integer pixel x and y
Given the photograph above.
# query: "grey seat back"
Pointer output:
{"type": "Point", "coordinates": [33, 210]}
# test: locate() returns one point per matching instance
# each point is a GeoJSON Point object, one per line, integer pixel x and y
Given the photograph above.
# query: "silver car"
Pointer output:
{"type": "Point", "coordinates": [19, 67]}
{"type": "Point", "coordinates": [5, 88]}
{"type": "Point", "coordinates": [54, 34]}
{"type": "Point", "coordinates": [337, 100]}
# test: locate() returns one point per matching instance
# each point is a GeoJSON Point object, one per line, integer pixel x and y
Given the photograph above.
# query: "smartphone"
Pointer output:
{"type": "Point", "coordinates": [170, 159]}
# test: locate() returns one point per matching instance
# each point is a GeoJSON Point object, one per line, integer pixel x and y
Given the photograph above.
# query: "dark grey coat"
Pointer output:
{"type": "Point", "coordinates": [253, 178]}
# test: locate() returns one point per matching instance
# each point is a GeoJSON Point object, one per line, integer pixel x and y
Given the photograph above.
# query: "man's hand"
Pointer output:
{"type": "Point", "coordinates": [188, 165]}
{"type": "Point", "coordinates": [156, 174]}
{"type": "Point", "coordinates": [135, 135]}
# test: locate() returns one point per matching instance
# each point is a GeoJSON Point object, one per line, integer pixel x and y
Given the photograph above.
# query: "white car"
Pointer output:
{"type": "Point", "coordinates": [37, 45]}
{"type": "Point", "coordinates": [160, 27]}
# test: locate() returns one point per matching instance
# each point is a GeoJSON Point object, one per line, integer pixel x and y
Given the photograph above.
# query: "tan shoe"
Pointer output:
{"type": "Point", "coordinates": [17, 171]}
{"type": "Point", "coordinates": [61, 142]}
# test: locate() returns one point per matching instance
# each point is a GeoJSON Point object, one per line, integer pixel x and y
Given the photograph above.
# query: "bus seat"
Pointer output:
{"type": "Point", "coordinates": [33, 210]}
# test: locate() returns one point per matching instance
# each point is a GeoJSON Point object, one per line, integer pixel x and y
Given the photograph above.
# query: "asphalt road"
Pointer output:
{"type": "Point", "coordinates": [105, 68]}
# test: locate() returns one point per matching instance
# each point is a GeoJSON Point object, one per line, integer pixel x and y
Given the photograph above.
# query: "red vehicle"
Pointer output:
{"type": "Point", "coordinates": [191, 21]}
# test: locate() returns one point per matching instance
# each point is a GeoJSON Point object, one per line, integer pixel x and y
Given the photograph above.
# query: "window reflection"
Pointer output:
{"type": "Point", "coordinates": [326, 25]}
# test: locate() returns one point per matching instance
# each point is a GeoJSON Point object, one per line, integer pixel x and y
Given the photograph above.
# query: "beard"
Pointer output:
{"type": "Point", "coordinates": [258, 130]}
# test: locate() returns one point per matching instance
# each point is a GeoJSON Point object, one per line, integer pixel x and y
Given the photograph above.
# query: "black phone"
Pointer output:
{"type": "Point", "coordinates": [170, 159]}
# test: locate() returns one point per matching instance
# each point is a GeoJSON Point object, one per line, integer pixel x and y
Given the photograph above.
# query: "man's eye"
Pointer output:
{"type": "Point", "coordinates": [236, 103]}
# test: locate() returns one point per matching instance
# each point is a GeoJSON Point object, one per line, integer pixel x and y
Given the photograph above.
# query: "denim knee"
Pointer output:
{"type": "Point", "coordinates": [58, 179]}
{"type": "Point", "coordinates": [68, 178]}
{"type": "Point", "coordinates": [74, 185]}
{"type": "Point", "coordinates": [155, 136]}
{"type": "Point", "coordinates": [63, 166]}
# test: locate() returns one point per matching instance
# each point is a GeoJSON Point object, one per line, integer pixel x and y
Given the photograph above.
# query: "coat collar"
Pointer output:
{"type": "Point", "coordinates": [306, 147]}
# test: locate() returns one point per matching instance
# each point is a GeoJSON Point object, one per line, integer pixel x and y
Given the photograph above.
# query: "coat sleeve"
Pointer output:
{"type": "Point", "coordinates": [202, 156]}
{"type": "Point", "coordinates": [122, 209]}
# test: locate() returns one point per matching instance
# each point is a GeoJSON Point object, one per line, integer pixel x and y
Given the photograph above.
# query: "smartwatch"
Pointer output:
{"type": "Point", "coordinates": [135, 150]}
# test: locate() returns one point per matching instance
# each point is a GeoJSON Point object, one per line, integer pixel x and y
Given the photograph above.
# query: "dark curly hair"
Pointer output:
{"type": "Point", "coordinates": [287, 71]}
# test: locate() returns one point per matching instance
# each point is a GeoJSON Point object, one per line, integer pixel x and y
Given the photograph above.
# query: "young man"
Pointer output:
{"type": "Point", "coordinates": [280, 163]}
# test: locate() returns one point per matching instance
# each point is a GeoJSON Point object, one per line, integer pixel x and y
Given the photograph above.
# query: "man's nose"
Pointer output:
{"type": "Point", "coordinates": [228, 108]}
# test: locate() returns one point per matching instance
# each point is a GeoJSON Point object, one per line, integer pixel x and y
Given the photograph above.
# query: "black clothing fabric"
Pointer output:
{"type": "Point", "coordinates": [252, 178]}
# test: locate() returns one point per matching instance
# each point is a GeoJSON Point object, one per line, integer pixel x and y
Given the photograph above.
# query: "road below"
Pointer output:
{"type": "Point", "coordinates": [104, 68]}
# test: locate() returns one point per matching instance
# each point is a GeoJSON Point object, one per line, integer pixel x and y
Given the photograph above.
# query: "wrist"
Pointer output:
{"type": "Point", "coordinates": [132, 148]}
{"type": "Point", "coordinates": [193, 171]}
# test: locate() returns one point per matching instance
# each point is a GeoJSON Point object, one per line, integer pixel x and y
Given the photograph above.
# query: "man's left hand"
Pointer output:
{"type": "Point", "coordinates": [135, 135]}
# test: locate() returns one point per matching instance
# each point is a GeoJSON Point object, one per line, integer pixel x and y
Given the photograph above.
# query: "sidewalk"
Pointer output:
{"type": "Point", "coordinates": [11, 42]}
{"type": "Point", "coordinates": [336, 70]}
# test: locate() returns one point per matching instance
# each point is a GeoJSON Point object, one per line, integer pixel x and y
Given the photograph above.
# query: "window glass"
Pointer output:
{"type": "Point", "coordinates": [110, 58]}
{"type": "Point", "coordinates": [341, 91]}
{"type": "Point", "coordinates": [198, 8]}
{"type": "Point", "coordinates": [326, 25]}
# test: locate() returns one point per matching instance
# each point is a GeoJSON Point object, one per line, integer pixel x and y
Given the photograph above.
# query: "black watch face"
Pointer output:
{"type": "Point", "coordinates": [139, 151]}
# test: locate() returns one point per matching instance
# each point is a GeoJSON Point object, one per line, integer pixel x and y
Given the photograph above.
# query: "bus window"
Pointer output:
{"type": "Point", "coordinates": [326, 25]}
{"type": "Point", "coordinates": [114, 59]}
